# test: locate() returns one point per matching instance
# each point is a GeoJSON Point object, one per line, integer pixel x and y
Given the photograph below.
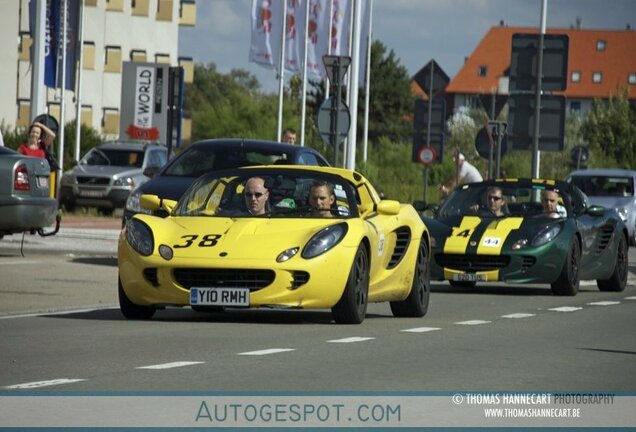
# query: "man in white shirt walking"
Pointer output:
{"type": "Point", "coordinates": [466, 173]}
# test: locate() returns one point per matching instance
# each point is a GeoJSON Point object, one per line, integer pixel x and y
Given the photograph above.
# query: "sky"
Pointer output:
{"type": "Point", "coordinates": [416, 30]}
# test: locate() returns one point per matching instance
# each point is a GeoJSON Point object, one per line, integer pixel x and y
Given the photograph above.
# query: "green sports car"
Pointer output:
{"type": "Point", "coordinates": [527, 231]}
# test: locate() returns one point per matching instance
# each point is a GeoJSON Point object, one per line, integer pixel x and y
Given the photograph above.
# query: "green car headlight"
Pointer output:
{"type": "Point", "coordinates": [546, 235]}
{"type": "Point", "coordinates": [324, 240]}
{"type": "Point", "coordinates": [139, 237]}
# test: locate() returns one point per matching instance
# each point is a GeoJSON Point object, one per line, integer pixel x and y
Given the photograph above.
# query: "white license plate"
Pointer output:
{"type": "Point", "coordinates": [43, 182]}
{"type": "Point", "coordinates": [469, 277]}
{"type": "Point", "coordinates": [91, 193]}
{"type": "Point", "coordinates": [220, 297]}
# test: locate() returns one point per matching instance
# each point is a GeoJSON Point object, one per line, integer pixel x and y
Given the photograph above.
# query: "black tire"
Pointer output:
{"type": "Point", "coordinates": [568, 281]}
{"type": "Point", "coordinates": [131, 310]}
{"type": "Point", "coordinates": [462, 284]}
{"type": "Point", "coordinates": [416, 304]}
{"type": "Point", "coordinates": [352, 306]}
{"type": "Point", "coordinates": [618, 280]}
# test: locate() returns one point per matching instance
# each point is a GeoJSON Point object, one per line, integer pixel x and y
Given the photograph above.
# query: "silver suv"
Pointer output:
{"type": "Point", "coordinates": [104, 177]}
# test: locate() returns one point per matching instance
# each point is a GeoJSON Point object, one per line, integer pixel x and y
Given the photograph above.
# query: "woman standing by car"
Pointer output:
{"type": "Point", "coordinates": [40, 138]}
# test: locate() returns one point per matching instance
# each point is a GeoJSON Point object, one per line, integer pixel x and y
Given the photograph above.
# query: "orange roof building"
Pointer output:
{"type": "Point", "coordinates": [599, 62]}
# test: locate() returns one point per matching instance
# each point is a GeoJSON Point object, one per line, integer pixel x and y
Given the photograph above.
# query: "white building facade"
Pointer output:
{"type": "Point", "coordinates": [114, 31]}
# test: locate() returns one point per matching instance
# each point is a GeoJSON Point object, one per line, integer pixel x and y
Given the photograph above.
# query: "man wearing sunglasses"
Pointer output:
{"type": "Point", "coordinates": [256, 196]}
{"type": "Point", "coordinates": [495, 202]}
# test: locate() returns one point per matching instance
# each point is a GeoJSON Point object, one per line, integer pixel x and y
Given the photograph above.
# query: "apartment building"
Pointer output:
{"type": "Point", "coordinates": [114, 31]}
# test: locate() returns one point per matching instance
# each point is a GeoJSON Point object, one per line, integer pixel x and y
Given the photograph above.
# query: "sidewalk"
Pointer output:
{"type": "Point", "coordinates": [90, 222]}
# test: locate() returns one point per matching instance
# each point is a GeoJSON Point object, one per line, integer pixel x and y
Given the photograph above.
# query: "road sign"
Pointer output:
{"type": "Point", "coordinates": [487, 101]}
{"type": "Point", "coordinates": [438, 115]}
{"type": "Point", "coordinates": [483, 143]}
{"type": "Point", "coordinates": [334, 121]}
{"type": "Point", "coordinates": [336, 67]}
{"type": "Point", "coordinates": [423, 79]}
{"type": "Point", "coordinates": [551, 122]}
{"type": "Point", "coordinates": [427, 155]}
{"type": "Point", "coordinates": [523, 62]}
{"type": "Point", "coordinates": [436, 143]}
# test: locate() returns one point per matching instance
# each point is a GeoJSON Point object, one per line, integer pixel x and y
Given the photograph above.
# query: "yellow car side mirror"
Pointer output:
{"type": "Point", "coordinates": [389, 207]}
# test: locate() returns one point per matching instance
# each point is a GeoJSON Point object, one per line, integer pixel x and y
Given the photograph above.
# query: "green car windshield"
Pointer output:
{"type": "Point", "coordinates": [282, 193]}
{"type": "Point", "coordinates": [521, 201]}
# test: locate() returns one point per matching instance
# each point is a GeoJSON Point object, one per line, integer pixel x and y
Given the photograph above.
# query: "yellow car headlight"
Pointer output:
{"type": "Point", "coordinates": [324, 240]}
{"type": "Point", "coordinates": [139, 237]}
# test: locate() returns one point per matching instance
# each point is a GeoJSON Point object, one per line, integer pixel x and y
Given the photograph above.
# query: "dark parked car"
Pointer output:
{"type": "Point", "coordinates": [25, 201]}
{"type": "Point", "coordinates": [216, 154]}
{"type": "Point", "coordinates": [107, 174]}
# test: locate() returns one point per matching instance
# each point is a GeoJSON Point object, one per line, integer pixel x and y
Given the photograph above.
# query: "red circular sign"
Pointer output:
{"type": "Point", "coordinates": [427, 155]}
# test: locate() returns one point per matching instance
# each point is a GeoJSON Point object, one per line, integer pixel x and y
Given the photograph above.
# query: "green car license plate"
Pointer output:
{"type": "Point", "coordinates": [469, 277]}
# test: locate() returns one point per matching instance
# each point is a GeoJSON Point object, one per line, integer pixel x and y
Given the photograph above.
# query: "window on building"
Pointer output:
{"type": "Point", "coordinates": [88, 59]}
{"type": "Point", "coordinates": [597, 77]}
{"type": "Point", "coordinates": [24, 113]}
{"type": "Point", "coordinates": [576, 76]}
{"type": "Point", "coordinates": [138, 55]}
{"type": "Point", "coordinates": [140, 7]}
{"type": "Point", "coordinates": [631, 78]}
{"type": "Point", "coordinates": [575, 106]}
{"type": "Point", "coordinates": [482, 71]}
{"type": "Point", "coordinates": [90, 2]}
{"type": "Point", "coordinates": [164, 10]}
{"type": "Point", "coordinates": [187, 13]}
{"type": "Point", "coordinates": [188, 69]}
{"type": "Point", "coordinates": [24, 50]}
{"type": "Point", "coordinates": [115, 5]}
{"type": "Point", "coordinates": [162, 58]}
{"type": "Point", "coordinates": [87, 115]}
{"type": "Point", "coordinates": [54, 110]}
{"type": "Point", "coordinates": [110, 121]}
{"type": "Point", "coordinates": [113, 59]}
{"type": "Point", "coordinates": [601, 44]}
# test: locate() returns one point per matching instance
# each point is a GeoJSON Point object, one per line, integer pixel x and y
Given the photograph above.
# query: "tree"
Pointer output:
{"type": "Point", "coordinates": [610, 129]}
{"type": "Point", "coordinates": [390, 99]}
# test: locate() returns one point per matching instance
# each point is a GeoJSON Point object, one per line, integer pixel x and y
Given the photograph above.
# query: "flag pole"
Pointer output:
{"type": "Point", "coordinates": [62, 43]}
{"type": "Point", "coordinates": [281, 76]}
{"type": "Point", "coordinates": [355, 66]}
{"type": "Point", "coordinates": [38, 89]}
{"type": "Point", "coordinates": [78, 105]}
{"type": "Point", "coordinates": [304, 97]}
{"type": "Point", "coordinates": [329, 41]}
{"type": "Point", "coordinates": [365, 138]}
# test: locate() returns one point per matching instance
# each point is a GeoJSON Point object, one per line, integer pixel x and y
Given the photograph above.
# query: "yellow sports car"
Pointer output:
{"type": "Point", "coordinates": [280, 237]}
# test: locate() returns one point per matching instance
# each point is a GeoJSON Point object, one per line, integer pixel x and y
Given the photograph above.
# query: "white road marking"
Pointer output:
{"type": "Point", "coordinates": [12, 263]}
{"type": "Point", "coordinates": [518, 315]}
{"type": "Point", "coordinates": [604, 303]}
{"type": "Point", "coordinates": [420, 329]}
{"type": "Point", "coordinates": [38, 384]}
{"type": "Point", "coordinates": [587, 283]}
{"type": "Point", "coordinates": [351, 339]}
{"type": "Point", "coordinates": [171, 365]}
{"type": "Point", "coordinates": [267, 351]}
{"type": "Point", "coordinates": [566, 309]}
{"type": "Point", "coordinates": [66, 312]}
{"type": "Point", "coordinates": [630, 298]}
{"type": "Point", "coordinates": [473, 322]}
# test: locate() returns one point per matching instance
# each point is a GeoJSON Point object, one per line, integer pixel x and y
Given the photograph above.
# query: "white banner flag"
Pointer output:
{"type": "Point", "coordinates": [267, 25]}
